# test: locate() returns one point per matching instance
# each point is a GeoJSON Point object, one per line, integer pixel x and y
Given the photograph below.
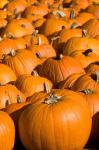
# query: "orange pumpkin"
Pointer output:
{"type": "Point", "coordinates": [90, 81]}
{"type": "Point", "coordinates": [57, 25]}
{"type": "Point", "coordinates": [92, 27]}
{"type": "Point", "coordinates": [61, 108]}
{"type": "Point", "coordinates": [92, 68]}
{"type": "Point", "coordinates": [3, 3]}
{"type": "Point", "coordinates": [7, 130]}
{"type": "Point", "coordinates": [6, 74]}
{"type": "Point", "coordinates": [81, 43]}
{"type": "Point", "coordinates": [29, 84]}
{"type": "Point", "coordinates": [21, 61]}
{"type": "Point", "coordinates": [10, 94]}
{"type": "Point", "coordinates": [57, 69]}
{"type": "Point", "coordinates": [92, 99]}
{"type": "Point", "coordinates": [21, 28]}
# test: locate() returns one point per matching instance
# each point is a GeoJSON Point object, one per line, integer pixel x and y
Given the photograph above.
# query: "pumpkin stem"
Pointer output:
{"type": "Point", "coordinates": [86, 52]}
{"type": "Point", "coordinates": [84, 33]}
{"type": "Point", "coordinates": [38, 55]}
{"type": "Point", "coordinates": [95, 76]}
{"type": "Point", "coordinates": [35, 33]}
{"type": "Point", "coordinates": [72, 14]}
{"type": "Point", "coordinates": [7, 103]}
{"type": "Point", "coordinates": [46, 88]}
{"type": "Point", "coordinates": [19, 100]}
{"type": "Point", "coordinates": [12, 52]}
{"type": "Point", "coordinates": [52, 99]}
{"type": "Point", "coordinates": [53, 39]}
{"type": "Point", "coordinates": [87, 91]}
{"type": "Point", "coordinates": [73, 26]}
{"type": "Point", "coordinates": [34, 73]}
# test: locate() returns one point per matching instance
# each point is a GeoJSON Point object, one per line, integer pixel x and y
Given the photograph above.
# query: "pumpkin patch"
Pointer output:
{"type": "Point", "coordinates": [49, 74]}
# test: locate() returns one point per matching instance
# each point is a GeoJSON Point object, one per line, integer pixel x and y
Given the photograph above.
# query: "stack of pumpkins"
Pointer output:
{"type": "Point", "coordinates": [49, 74]}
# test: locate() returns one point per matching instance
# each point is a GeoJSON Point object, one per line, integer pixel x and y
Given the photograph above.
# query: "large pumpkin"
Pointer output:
{"type": "Point", "coordinates": [61, 120]}
{"type": "Point", "coordinates": [7, 132]}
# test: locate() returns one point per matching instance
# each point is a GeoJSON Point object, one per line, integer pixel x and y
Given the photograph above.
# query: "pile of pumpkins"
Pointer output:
{"type": "Point", "coordinates": [49, 74]}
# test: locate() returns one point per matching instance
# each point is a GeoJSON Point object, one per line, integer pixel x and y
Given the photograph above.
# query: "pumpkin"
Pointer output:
{"type": "Point", "coordinates": [97, 37]}
{"type": "Point", "coordinates": [84, 17]}
{"type": "Point", "coordinates": [6, 45]}
{"type": "Point", "coordinates": [15, 110]}
{"type": "Point", "coordinates": [21, 61]}
{"type": "Point", "coordinates": [43, 51]}
{"type": "Point", "coordinates": [92, 99]}
{"type": "Point", "coordinates": [68, 82]}
{"type": "Point", "coordinates": [57, 25]}
{"type": "Point", "coordinates": [80, 43]}
{"type": "Point", "coordinates": [3, 23]}
{"type": "Point", "coordinates": [4, 13]}
{"type": "Point", "coordinates": [85, 57]}
{"type": "Point", "coordinates": [92, 68]}
{"type": "Point", "coordinates": [7, 132]}
{"type": "Point", "coordinates": [57, 69]}
{"type": "Point", "coordinates": [64, 36]}
{"type": "Point", "coordinates": [35, 12]}
{"type": "Point", "coordinates": [94, 9]}
{"type": "Point", "coordinates": [16, 6]}
{"type": "Point", "coordinates": [56, 109]}
{"type": "Point", "coordinates": [87, 82]}
{"type": "Point", "coordinates": [10, 94]}
{"type": "Point", "coordinates": [3, 3]}
{"type": "Point", "coordinates": [47, 2]}
{"type": "Point", "coordinates": [6, 74]}
{"type": "Point", "coordinates": [92, 27]}
{"type": "Point", "coordinates": [29, 84]}
{"type": "Point", "coordinates": [38, 39]}
{"type": "Point", "coordinates": [21, 28]}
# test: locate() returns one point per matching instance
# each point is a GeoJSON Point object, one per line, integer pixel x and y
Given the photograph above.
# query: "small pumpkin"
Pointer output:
{"type": "Point", "coordinates": [57, 25]}
{"type": "Point", "coordinates": [85, 57]}
{"type": "Point", "coordinates": [21, 61]}
{"type": "Point", "coordinates": [6, 74]}
{"type": "Point", "coordinates": [92, 68]}
{"type": "Point", "coordinates": [57, 69]}
{"type": "Point", "coordinates": [79, 43]}
{"type": "Point", "coordinates": [29, 84]}
{"type": "Point", "coordinates": [86, 81]}
{"type": "Point", "coordinates": [10, 94]}
{"type": "Point", "coordinates": [92, 27]}
{"type": "Point", "coordinates": [21, 28]}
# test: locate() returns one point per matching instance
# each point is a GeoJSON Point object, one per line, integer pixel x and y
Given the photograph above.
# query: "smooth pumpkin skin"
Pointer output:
{"type": "Point", "coordinates": [93, 9]}
{"type": "Point", "coordinates": [87, 82]}
{"type": "Point", "coordinates": [6, 45]}
{"type": "Point", "coordinates": [29, 84]}
{"type": "Point", "coordinates": [85, 57]}
{"type": "Point", "coordinates": [60, 125]}
{"type": "Point", "coordinates": [80, 43]}
{"type": "Point", "coordinates": [7, 132]}
{"type": "Point", "coordinates": [68, 82]}
{"type": "Point", "coordinates": [92, 98]}
{"type": "Point", "coordinates": [21, 61]}
{"type": "Point", "coordinates": [3, 3]}
{"type": "Point", "coordinates": [22, 27]}
{"type": "Point", "coordinates": [57, 25]}
{"type": "Point", "coordinates": [10, 94]}
{"type": "Point", "coordinates": [92, 68]}
{"type": "Point", "coordinates": [58, 70]}
{"type": "Point", "coordinates": [92, 27]}
{"type": "Point", "coordinates": [6, 74]}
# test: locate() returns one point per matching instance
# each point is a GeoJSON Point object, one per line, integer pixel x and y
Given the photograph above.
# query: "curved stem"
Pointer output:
{"type": "Point", "coordinates": [19, 100]}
